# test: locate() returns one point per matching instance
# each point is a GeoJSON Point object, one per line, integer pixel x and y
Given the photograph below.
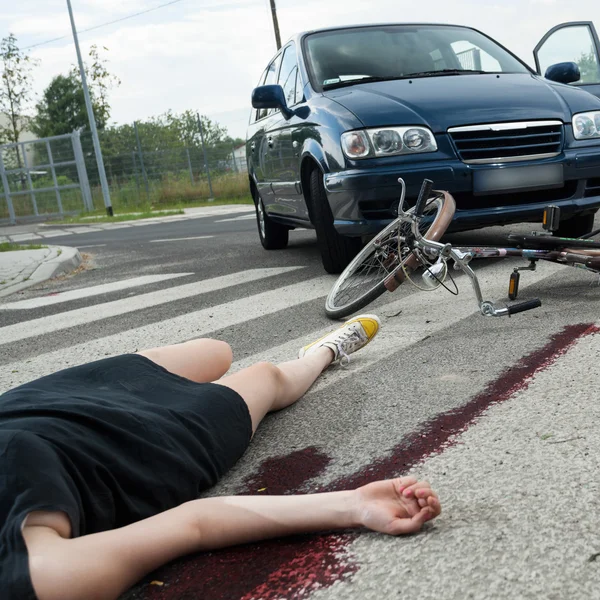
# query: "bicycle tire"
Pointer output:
{"type": "Point", "coordinates": [336, 308]}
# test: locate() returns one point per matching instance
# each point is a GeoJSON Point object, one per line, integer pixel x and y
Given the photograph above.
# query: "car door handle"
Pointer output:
{"type": "Point", "coordinates": [270, 141]}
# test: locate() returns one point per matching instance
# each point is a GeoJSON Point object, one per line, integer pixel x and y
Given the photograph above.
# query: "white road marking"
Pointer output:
{"type": "Point", "coordinates": [89, 314]}
{"type": "Point", "coordinates": [241, 218]}
{"type": "Point", "coordinates": [95, 290]}
{"type": "Point", "coordinates": [84, 229]}
{"type": "Point", "coordinates": [54, 233]}
{"type": "Point", "coordinates": [92, 246]}
{"type": "Point", "coordinates": [397, 333]}
{"type": "Point", "coordinates": [170, 331]}
{"type": "Point", "coordinates": [421, 315]}
{"type": "Point", "coordinates": [198, 237]}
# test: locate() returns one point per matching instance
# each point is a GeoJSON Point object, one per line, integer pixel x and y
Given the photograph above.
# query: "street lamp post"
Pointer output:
{"type": "Point", "coordinates": [90, 112]}
{"type": "Point", "coordinates": [275, 24]}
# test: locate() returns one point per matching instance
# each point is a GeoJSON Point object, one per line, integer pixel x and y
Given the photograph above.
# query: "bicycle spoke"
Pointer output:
{"type": "Point", "coordinates": [374, 268]}
{"type": "Point", "coordinates": [363, 279]}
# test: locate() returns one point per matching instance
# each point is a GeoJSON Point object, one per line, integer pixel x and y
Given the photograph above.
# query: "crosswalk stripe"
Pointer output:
{"type": "Point", "coordinates": [54, 233]}
{"type": "Point", "coordinates": [183, 239]}
{"type": "Point", "coordinates": [88, 314]}
{"type": "Point", "coordinates": [241, 218]}
{"type": "Point", "coordinates": [170, 331]}
{"type": "Point", "coordinates": [94, 290]}
{"type": "Point", "coordinates": [422, 314]}
{"type": "Point", "coordinates": [397, 333]}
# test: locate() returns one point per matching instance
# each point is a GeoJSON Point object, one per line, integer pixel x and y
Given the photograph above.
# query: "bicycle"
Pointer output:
{"type": "Point", "coordinates": [411, 242]}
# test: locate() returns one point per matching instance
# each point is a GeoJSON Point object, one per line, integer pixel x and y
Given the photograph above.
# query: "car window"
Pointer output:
{"type": "Point", "coordinates": [572, 44]}
{"type": "Point", "coordinates": [472, 57]}
{"type": "Point", "coordinates": [402, 50]}
{"type": "Point", "coordinates": [255, 113]}
{"type": "Point", "coordinates": [270, 79]}
{"type": "Point", "coordinates": [299, 88]}
{"type": "Point", "coordinates": [287, 74]}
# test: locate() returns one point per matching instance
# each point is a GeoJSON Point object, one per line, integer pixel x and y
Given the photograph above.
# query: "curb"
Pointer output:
{"type": "Point", "coordinates": [61, 259]}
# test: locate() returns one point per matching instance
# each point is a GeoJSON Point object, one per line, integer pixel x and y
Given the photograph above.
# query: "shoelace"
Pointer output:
{"type": "Point", "coordinates": [355, 337]}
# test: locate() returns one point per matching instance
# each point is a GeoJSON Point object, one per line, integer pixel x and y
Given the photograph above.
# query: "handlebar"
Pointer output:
{"type": "Point", "coordinates": [447, 252]}
{"type": "Point", "coordinates": [423, 197]}
{"type": "Point", "coordinates": [523, 306]}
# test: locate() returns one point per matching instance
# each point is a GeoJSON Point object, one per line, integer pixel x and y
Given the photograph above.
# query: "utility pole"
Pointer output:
{"type": "Point", "coordinates": [275, 24]}
{"type": "Point", "coordinates": [206, 167]}
{"type": "Point", "coordinates": [90, 112]}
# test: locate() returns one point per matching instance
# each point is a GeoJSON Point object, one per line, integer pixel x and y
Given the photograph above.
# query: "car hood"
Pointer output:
{"type": "Point", "coordinates": [450, 101]}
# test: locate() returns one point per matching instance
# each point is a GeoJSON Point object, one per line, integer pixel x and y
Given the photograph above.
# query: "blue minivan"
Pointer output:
{"type": "Point", "coordinates": [340, 114]}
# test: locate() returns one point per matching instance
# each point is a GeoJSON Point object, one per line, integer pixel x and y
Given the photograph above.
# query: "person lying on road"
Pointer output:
{"type": "Point", "coordinates": [101, 467]}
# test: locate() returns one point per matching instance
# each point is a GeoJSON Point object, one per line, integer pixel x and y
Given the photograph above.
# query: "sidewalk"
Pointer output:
{"type": "Point", "coordinates": [41, 231]}
{"type": "Point", "coordinates": [21, 269]}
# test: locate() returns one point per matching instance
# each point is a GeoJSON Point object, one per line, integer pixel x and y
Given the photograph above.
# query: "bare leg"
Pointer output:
{"type": "Point", "coordinates": [200, 360]}
{"type": "Point", "coordinates": [266, 387]}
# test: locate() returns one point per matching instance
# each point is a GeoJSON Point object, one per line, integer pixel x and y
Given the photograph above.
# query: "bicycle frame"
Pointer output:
{"type": "Point", "coordinates": [462, 257]}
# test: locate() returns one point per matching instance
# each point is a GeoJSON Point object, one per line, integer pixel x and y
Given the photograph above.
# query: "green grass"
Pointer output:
{"type": "Point", "coordinates": [10, 246]}
{"type": "Point", "coordinates": [102, 217]}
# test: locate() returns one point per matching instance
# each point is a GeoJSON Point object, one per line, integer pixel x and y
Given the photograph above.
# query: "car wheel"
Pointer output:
{"type": "Point", "coordinates": [576, 226]}
{"type": "Point", "coordinates": [336, 250]}
{"type": "Point", "coordinates": [273, 236]}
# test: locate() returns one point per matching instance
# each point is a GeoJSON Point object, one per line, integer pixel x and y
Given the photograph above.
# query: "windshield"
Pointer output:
{"type": "Point", "coordinates": [346, 56]}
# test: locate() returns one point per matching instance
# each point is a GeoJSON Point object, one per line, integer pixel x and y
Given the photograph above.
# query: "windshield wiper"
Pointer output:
{"type": "Point", "coordinates": [339, 84]}
{"type": "Point", "coordinates": [445, 72]}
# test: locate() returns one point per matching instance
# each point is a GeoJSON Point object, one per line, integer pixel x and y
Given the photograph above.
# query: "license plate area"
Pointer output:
{"type": "Point", "coordinates": [501, 180]}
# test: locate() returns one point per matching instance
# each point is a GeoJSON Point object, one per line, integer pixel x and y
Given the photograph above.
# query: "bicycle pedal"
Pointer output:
{"type": "Point", "coordinates": [551, 218]}
{"type": "Point", "coordinates": [513, 285]}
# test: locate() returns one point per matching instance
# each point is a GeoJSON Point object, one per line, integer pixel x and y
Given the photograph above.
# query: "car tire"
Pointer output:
{"type": "Point", "coordinates": [273, 236]}
{"type": "Point", "coordinates": [576, 226]}
{"type": "Point", "coordinates": [337, 251]}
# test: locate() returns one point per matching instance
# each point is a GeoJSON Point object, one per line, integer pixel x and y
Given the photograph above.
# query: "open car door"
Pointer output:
{"type": "Point", "coordinates": [576, 42]}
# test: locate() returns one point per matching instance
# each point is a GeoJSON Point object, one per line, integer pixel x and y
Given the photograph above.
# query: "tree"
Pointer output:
{"type": "Point", "coordinates": [100, 82]}
{"type": "Point", "coordinates": [15, 91]}
{"type": "Point", "coordinates": [588, 67]}
{"type": "Point", "coordinates": [62, 108]}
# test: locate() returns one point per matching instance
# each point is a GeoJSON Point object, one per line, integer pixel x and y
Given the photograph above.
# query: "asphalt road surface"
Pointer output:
{"type": "Point", "coordinates": [499, 414]}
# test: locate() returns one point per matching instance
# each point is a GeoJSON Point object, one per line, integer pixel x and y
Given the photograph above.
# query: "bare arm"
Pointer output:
{"type": "Point", "coordinates": [103, 565]}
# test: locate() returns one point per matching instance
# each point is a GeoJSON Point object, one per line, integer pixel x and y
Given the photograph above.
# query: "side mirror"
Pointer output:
{"type": "Point", "coordinates": [565, 72]}
{"type": "Point", "coordinates": [271, 96]}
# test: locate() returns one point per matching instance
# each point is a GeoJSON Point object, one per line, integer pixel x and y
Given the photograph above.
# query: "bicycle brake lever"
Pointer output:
{"type": "Point", "coordinates": [401, 211]}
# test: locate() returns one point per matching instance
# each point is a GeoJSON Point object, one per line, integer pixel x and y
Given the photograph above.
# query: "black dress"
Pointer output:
{"type": "Point", "coordinates": [109, 443]}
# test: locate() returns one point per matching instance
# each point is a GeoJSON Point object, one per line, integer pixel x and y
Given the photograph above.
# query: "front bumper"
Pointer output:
{"type": "Point", "coordinates": [363, 201]}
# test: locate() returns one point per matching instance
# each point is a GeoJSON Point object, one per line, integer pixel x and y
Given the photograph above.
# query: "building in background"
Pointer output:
{"type": "Point", "coordinates": [239, 155]}
{"type": "Point", "coordinates": [25, 136]}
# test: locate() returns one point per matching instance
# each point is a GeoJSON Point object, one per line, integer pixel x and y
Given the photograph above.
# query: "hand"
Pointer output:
{"type": "Point", "coordinates": [397, 506]}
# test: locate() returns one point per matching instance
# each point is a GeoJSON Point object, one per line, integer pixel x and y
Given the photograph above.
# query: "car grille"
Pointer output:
{"type": "Point", "coordinates": [468, 201]}
{"type": "Point", "coordinates": [388, 209]}
{"type": "Point", "coordinates": [592, 187]}
{"type": "Point", "coordinates": [507, 142]}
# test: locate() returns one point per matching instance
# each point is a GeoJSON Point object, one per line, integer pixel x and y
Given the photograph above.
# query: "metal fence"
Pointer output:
{"type": "Point", "coordinates": [142, 170]}
{"type": "Point", "coordinates": [43, 178]}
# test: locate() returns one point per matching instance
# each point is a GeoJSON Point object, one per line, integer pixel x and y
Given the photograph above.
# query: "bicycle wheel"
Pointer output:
{"type": "Point", "coordinates": [363, 280]}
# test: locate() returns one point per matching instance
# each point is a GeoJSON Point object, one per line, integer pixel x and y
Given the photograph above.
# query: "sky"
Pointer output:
{"type": "Point", "coordinates": [207, 55]}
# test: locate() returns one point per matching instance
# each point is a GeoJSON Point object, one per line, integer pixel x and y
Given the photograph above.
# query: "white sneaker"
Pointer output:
{"type": "Point", "coordinates": [350, 337]}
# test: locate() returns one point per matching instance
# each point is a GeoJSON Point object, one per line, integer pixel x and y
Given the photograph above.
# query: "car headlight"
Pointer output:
{"type": "Point", "coordinates": [388, 141]}
{"type": "Point", "coordinates": [586, 126]}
